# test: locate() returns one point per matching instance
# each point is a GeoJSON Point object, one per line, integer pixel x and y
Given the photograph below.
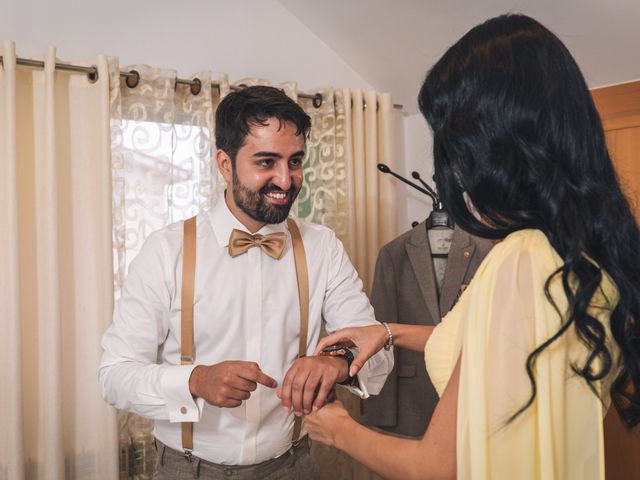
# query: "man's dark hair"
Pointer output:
{"type": "Point", "coordinates": [242, 109]}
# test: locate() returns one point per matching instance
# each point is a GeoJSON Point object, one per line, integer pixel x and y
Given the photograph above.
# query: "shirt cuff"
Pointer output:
{"type": "Point", "coordinates": [372, 376]}
{"type": "Point", "coordinates": [181, 405]}
{"type": "Point", "coordinates": [360, 388]}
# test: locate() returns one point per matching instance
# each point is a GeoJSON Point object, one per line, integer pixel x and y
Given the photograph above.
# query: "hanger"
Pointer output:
{"type": "Point", "coordinates": [438, 216]}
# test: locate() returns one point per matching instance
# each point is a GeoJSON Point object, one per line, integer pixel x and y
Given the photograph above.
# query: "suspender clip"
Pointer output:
{"type": "Point", "coordinates": [188, 454]}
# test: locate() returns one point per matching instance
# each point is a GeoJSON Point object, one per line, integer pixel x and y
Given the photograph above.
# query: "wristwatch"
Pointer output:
{"type": "Point", "coordinates": [342, 352]}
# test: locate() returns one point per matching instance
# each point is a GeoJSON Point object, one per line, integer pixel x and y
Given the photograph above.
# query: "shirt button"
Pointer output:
{"type": "Point", "coordinates": [466, 254]}
{"type": "Point", "coordinates": [183, 410]}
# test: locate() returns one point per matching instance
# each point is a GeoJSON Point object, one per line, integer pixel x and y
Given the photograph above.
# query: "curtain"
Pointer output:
{"type": "Point", "coordinates": [163, 169]}
{"type": "Point", "coordinates": [352, 132]}
{"type": "Point", "coordinates": [56, 289]}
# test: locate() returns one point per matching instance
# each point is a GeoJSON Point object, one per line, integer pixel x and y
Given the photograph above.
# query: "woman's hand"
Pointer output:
{"type": "Point", "coordinates": [368, 340]}
{"type": "Point", "coordinates": [324, 424]}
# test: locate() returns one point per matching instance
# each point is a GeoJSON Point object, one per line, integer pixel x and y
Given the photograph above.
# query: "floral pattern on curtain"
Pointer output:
{"type": "Point", "coordinates": [162, 172]}
{"type": "Point", "coordinates": [162, 168]}
{"type": "Point", "coordinates": [323, 198]}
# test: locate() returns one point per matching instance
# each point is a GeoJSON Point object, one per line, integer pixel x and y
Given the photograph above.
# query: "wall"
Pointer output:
{"type": "Point", "coordinates": [243, 38]}
{"type": "Point", "coordinates": [417, 155]}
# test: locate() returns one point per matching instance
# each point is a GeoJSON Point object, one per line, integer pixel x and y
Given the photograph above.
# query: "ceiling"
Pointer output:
{"type": "Point", "coordinates": [392, 44]}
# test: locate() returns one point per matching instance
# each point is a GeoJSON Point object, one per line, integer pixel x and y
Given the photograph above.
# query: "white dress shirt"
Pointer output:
{"type": "Point", "coordinates": [246, 308]}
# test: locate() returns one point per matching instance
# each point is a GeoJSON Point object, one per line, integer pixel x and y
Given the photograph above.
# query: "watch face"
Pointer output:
{"type": "Point", "coordinates": [339, 351]}
{"type": "Point", "coordinates": [334, 350]}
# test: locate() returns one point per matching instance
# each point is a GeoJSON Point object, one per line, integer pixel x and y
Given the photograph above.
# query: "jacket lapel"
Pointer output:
{"type": "Point", "coordinates": [419, 254]}
{"type": "Point", "coordinates": [460, 256]}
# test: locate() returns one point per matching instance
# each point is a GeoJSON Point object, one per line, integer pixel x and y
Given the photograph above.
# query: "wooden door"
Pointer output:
{"type": "Point", "coordinates": [619, 107]}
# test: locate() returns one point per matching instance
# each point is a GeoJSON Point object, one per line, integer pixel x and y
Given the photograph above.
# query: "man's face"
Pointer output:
{"type": "Point", "coordinates": [267, 176]}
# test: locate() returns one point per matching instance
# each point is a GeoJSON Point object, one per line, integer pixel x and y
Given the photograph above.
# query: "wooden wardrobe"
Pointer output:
{"type": "Point", "coordinates": [619, 107]}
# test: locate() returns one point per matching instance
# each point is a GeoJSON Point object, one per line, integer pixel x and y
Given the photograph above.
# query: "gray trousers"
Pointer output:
{"type": "Point", "coordinates": [296, 464]}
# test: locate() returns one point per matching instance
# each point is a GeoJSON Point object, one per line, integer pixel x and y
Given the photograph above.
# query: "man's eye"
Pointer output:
{"type": "Point", "coordinates": [295, 162]}
{"type": "Point", "coordinates": [267, 162]}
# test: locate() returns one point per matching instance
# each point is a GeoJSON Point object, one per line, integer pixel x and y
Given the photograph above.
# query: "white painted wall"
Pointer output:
{"type": "Point", "coordinates": [242, 37]}
{"type": "Point", "coordinates": [418, 156]}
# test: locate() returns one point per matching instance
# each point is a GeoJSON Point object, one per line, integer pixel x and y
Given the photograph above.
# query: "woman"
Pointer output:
{"type": "Point", "coordinates": [547, 334]}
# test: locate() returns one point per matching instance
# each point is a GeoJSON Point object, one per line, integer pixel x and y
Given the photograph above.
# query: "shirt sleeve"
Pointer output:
{"type": "Point", "coordinates": [346, 305]}
{"type": "Point", "coordinates": [130, 377]}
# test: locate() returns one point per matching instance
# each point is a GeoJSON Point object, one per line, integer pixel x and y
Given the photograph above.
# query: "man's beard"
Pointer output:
{"type": "Point", "coordinates": [257, 207]}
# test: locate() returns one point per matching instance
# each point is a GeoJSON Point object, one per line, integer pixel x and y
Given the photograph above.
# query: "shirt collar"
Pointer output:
{"type": "Point", "coordinates": [223, 222]}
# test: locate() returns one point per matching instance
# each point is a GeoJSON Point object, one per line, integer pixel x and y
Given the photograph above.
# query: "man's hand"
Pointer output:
{"type": "Point", "coordinates": [228, 383]}
{"type": "Point", "coordinates": [309, 382]}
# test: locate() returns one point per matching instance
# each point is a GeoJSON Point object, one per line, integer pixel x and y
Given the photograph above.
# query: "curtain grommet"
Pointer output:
{"type": "Point", "coordinates": [196, 86]}
{"type": "Point", "coordinates": [133, 79]}
{"type": "Point", "coordinates": [93, 75]}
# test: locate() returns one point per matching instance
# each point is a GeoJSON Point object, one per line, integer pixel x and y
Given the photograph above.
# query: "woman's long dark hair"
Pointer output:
{"type": "Point", "coordinates": [515, 127]}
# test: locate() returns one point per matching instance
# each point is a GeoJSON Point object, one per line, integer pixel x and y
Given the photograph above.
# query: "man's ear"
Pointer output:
{"type": "Point", "coordinates": [224, 165]}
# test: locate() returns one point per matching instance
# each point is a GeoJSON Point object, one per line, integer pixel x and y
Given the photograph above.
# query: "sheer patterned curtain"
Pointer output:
{"type": "Point", "coordinates": [163, 160]}
{"type": "Point", "coordinates": [163, 171]}
{"type": "Point", "coordinates": [161, 156]}
{"type": "Point", "coordinates": [56, 290]}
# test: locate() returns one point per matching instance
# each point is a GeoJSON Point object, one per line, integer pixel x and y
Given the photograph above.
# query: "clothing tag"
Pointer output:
{"type": "Point", "coordinates": [440, 240]}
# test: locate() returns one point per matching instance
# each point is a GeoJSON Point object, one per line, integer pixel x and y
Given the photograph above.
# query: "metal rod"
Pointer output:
{"type": "Point", "coordinates": [397, 106]}
{"type": "Point", "coordinates": [91, 72]}
{"type": "Point", "coordinates": [132, 78]}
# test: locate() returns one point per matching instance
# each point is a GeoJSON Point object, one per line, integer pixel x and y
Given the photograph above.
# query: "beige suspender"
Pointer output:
{"type": "Point", "coordinates": [186, 328]}
{"type": "Point", "coordinates": [302, 275]}
{"type": "Point", "coordinates": [186, 318]}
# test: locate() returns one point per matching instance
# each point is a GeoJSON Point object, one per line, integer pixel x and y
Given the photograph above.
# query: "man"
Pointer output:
{"type": "Point", "coordinates": [246, 313]}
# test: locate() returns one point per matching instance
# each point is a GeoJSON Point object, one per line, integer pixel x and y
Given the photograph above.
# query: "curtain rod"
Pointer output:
{"type": "Point", "coordinates": [132, 78]}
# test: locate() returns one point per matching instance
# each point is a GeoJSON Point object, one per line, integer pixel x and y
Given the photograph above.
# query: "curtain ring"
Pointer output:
{"type": "Point", "coordinates": [93, 76]}
{"type": "Point", "coordinates": [196, 86]}
{"type": "Point", "coordinates": [317, 100]}
{"type": "Point", "coordinates": [133, 79]}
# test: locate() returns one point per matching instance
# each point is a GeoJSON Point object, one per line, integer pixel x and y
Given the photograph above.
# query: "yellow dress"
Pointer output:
{"type": "Point", "coordinates": [501, 318]}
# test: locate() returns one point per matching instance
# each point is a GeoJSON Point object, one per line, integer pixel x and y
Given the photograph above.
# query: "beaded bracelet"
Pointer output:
{"type": "Point", "coordinates": [389, 343]}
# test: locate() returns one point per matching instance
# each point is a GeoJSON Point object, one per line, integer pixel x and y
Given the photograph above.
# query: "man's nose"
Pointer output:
{"type": "Point", "coordinates": [282, 178]}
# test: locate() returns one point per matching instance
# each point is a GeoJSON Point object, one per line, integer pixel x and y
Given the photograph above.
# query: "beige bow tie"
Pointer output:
{"type": "Point", "coordinates": [272, 244]}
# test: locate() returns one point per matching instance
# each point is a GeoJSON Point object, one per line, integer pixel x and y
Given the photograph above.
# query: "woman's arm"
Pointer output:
{"type": "Point", "coordinates": [432, 457]}
{"type": "Point", "coordinates": [411, 337]}
{"type": "Point", "coordinates": [372, 338]}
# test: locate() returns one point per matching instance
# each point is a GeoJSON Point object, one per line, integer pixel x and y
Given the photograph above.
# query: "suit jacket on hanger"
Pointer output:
{"type": "Point", "coordinates": [405, 291]}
